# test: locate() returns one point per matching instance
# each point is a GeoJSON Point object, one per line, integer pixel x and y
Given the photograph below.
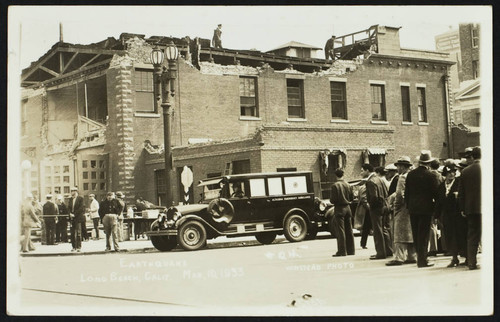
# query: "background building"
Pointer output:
{"type": "Point", "coordinates": [92, 112]}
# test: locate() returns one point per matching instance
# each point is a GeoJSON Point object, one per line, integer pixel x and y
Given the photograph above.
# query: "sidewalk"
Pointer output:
{"type": "Point", "coordinates": [143, 245]}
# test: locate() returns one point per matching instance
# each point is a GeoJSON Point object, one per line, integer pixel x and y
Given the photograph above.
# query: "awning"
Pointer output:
{"type": "Point", "coordinates": [339, 153]}
{"type": "Point", "coordinates": [376, 151]}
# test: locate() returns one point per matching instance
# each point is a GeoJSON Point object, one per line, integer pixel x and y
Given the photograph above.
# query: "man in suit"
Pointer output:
{"type": "Point", "coordinates": [76, 209]}
{"type": "Point", "coordinates": [420, 193]}
{"type": "Point", "coordinates": [469, 196]}
{"type": "Point", "coordinates": [29, 220]}
{"type": "Point", "coordinates": [50, 212]}
{"type": "Point", "coordinates": [376, 195]}
{"type": "Point", "coordinates": [329, 48]}
{"type": "Point", "coordinates": [62, 221]}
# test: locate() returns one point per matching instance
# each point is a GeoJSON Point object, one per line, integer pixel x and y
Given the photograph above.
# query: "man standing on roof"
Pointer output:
{"type": "Point", "coordinates": [216, 39]}
{"type": "Point", "coordinates": [329, 50]}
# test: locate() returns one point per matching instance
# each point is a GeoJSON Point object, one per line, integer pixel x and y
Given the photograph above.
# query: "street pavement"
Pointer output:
{"type": "Point", "coordinates": [241, 277]}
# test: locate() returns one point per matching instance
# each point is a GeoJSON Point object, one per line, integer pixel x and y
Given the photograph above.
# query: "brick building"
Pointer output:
{"type": "Point", "coordinates": [92, 112]}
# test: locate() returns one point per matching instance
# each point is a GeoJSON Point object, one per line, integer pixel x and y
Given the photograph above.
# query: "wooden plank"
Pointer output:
{"type": "Point", "coordinates": [50, 71]}
{"type": "Point", "coordinates": [37, 65]}
{"type": "Point", "coordinates": [69, 62]}
{"type": "Point", "coordinates": [90, 50]}
{"type": "Point", "coordinates": [91, 60]}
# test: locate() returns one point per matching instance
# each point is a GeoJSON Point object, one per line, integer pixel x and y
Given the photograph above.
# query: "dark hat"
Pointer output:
{"type": "Point", "coordinates": [448, 168]}
{"type": "Point", "coordinates": [403, 160]}
{"type": "Point", "coordinates": [425, 156]}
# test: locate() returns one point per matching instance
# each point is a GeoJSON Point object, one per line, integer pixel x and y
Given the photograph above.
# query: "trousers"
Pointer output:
{"type": "Point", "coordinates": [50, 230]}
{"type": "Point", "coordinates": [110, 223]}
{"type": "Point", "coordinates": [381, 231]}
{"type": "Point", "coordinates": [420, 227]}
{"type": "Point", "coordinates": [343, 230]}
{"type": "Point", "coordinates": [76, 235]}
{"type": "Point", "coordinates": [473, 237]}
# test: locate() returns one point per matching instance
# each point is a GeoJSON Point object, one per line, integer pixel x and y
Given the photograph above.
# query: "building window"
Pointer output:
{"type": "Point", "coordinates": [161, 186]}
{"type": "Point", "coordinates": [144, 95]}
{"type": "Point", "coordinates": [294, 88]}
{"type": "Point", "coordinates": [475, 37]}
{"type": "Point", "coordinates": [378, 102]}
{"type": "Point", "coordinates": [405, 103]}
{"type": "Point", "coordinates": [422, 108]}
{"type": "Point", "coordinates": [241, 166]}
{"type": "Point", "coordinates": [248, 97]}
{"type": "Point", "coordinates": [338, 98]}
{"type": "Point", "coordinates": [475, 69]}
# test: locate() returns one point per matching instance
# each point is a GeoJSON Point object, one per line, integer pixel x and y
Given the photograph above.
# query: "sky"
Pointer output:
{"type": "Point", "coordinates": [34, 29]}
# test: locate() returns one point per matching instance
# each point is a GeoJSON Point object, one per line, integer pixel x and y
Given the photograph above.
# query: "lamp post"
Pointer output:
{"type": "Point", "coordinates": [164, 90]}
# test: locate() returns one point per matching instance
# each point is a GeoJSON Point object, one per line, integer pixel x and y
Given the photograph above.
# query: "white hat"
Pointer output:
{"type": "Point", "coordinates": [48, 196]}
{"type": "Point", "coordinates": [29, 195]}
{"type": "Point", "coordinates": [74, 189]}
{"type": "Point", "coordinates": [391, 167]}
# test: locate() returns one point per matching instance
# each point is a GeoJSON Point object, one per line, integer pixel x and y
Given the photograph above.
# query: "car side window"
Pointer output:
{"type": "Point", "coordinates": [257, 187]}
{"type": "Point", "coordinates": [275, 187]}
{"type": "Point", "coordinates": [296, 184]}
{"type": "Point", "coordinates": [237, 189]}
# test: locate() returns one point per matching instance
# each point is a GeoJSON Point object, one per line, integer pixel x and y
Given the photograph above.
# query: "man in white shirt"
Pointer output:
{"type": "Point", "coordinates": [94, 214]}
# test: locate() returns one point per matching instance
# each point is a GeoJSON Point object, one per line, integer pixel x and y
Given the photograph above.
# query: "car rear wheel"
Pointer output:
{"type": "Point", "coordinates": [164, 243]}
{"type": "Point", "coordinates": [295, 228]}
{"type": "Point", "coordinates": [192, 235]}
{"type": "Point", "coordinates": [266, 238]}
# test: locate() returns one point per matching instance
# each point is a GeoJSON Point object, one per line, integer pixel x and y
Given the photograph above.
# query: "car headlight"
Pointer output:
{"type": "Point", "coordinates": [322, 206]}
{"type": "Point", "coordinates": [177, 215]}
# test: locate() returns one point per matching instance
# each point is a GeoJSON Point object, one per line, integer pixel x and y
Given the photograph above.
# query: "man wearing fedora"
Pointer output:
{"type": "Point", "coordinates": [420, 194]}
{"type": "Point", "coordinates": [469, 196]}
{"type": "Point", "coordinates": [76, 208]}
{"type": "Point", "coordinates": [50, 212]}
{"type": "Point", "coordinates": [404, 250]}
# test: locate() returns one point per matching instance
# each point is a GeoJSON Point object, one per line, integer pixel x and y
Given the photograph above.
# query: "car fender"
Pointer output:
{"type": "Point", "coordinates": [183, 219]}
{"type": "Point", "coordinates": [297, 210]}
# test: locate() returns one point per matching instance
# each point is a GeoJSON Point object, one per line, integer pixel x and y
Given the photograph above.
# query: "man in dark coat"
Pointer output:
{"type": "Point", "coordinates": [76, 209]}
{"type": "Point", "coordinates": [341, 196]}
{"type": "Point", "coordinates": [50, 212]}
{"type": "Point", "coordinates": [469, 196]}
{"type": "Point", "coordinates": [420, 194]}
{"type": "Point", "coordinates": [62, 221]}
{"type": "Point", "coordinates": [376, 195]}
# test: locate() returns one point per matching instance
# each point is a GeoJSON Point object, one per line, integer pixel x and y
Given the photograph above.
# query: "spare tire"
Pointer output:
{"type": "Point", "coordinates": [222, 210]}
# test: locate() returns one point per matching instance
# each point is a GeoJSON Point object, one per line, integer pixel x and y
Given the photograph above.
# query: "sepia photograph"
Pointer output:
{"type": "Point", "coordinates": [250, 161]}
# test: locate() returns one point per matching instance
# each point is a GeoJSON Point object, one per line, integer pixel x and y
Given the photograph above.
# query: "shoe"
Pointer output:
{"type": "Point", "coordinates": [454, 263]}
{"type": "Point", "coordinates": [73, 250]}
{"type": "Point", "coordinates": [117, 250]}
{"type": "Point", "coordinates": [364, 247]}
{"type": "Point", "coordinates": [337, 255]}
{"type": "Point", "coordinates": [426, 265]}
{"type": "Point", "coordinates": [433, 254]}
{"type": "Point", "coordinates": [107, 250]}
{"type": "Point", "coordinates": [25, 251]}
{"type": "Point", "coordinates": [410, 261]}
{"type": "Point", "coordinates": [394, 263]}
{"type": "Point", "coordinates": [389, 255]}
{"type": "Point", "coordinates": [78, 250]}
{"type": "Point", "coordinates": [473, 267]}
{"type": "Point", "coordinates": [376, 257]}
{"type": "Point", "coordinates": [464, 263]}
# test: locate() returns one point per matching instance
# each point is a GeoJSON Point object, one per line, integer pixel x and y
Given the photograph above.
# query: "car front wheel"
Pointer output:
{"type": "Point", "coordinates": [164, 243]}
{"type": "Point", "coordinates": [192, 235]}
{"type": "Point", "coordinates": [295, 228]}
{"type": "Point", "coordinates": [266, 238]}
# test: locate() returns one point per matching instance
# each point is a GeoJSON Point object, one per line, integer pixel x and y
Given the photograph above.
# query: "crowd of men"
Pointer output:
{"type": "Point", "coordinates": [53, 218]}
{"type": "Point", "coordinates": [404, 205]}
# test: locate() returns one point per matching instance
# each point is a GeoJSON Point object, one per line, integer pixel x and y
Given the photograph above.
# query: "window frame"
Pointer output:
{"type": "Point", "coordinates": [406, 109]}
{"type": "Point", "coordinates": [139, 89]}
{"type": "Point", "coordinates": [255, 107]}
{"type": "Point", "coordinates": [343, 88]}
{"type": "Point", "coordinates": [475, 38]}
{"type": "Point", "coordinates": [300, 87]}
{"type": "Point", "coordinates": [422, 105]}
{"type": "Point", "coordinates": [382, 104]}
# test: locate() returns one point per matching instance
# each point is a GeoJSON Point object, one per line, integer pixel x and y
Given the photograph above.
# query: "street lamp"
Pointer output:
{"type": "Point", "coordinates": [164, 89]}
